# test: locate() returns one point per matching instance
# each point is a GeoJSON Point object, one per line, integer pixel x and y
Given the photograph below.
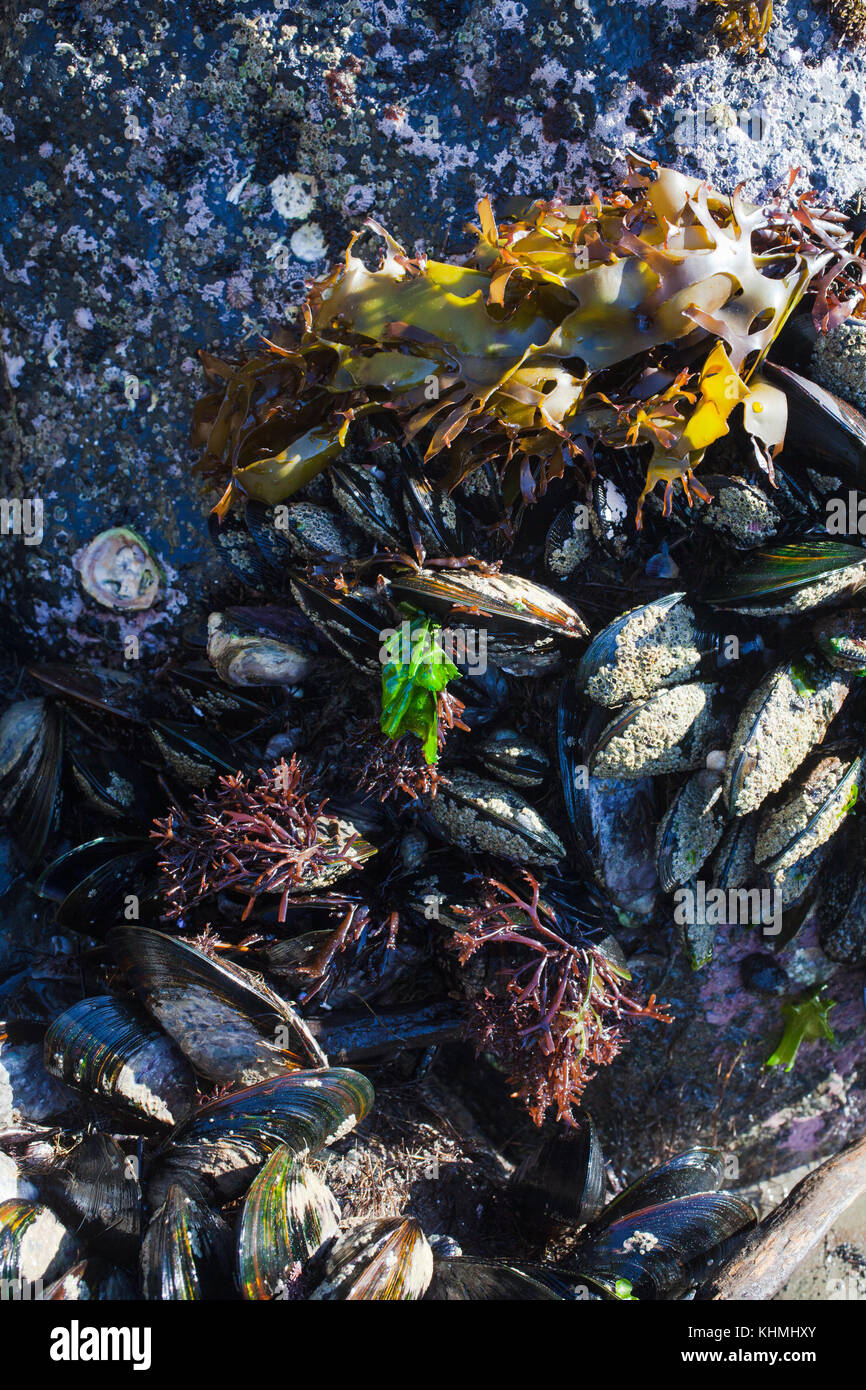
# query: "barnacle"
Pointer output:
{"type": "Point", "coordinates": [637, 321]}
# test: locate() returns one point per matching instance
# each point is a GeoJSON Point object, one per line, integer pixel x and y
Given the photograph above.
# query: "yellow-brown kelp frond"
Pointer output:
{"type": "Point", "coordinates": [744, 24]}
{"type": "Point", "coordinates": [636, 321]}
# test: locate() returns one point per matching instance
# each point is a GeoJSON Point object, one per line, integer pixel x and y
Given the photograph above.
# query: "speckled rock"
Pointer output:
{"type": "Point", "coordinates": [170, 177]}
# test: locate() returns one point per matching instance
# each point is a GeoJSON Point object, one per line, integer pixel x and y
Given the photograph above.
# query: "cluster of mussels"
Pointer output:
{"type": "Point", "coordinates": [447, 757]}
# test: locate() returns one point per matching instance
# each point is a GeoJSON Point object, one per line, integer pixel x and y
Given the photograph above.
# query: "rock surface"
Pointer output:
{"type": "Point", "coordinates": [171, 176]}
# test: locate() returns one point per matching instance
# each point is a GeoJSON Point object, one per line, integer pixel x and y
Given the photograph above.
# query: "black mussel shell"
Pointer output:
{"type": "Point", "coordinates": [96, 1192]}
{"type": "Point", "coordinates": [92, 1280]}
{"type": "Point", "coordinates": [467, 1280]}
{"type": "Point", "coordinates": [829, 433]}
{"type": "Point", "coordinates": [694, 1170]}
{"type": "Point", "coordinates": [360, 1034]}
{"type": "Point", "coordinates": [349, 621]}
{"type": "Point", "coordinates": [506, 603]}
{"type": "Point", "coordinates": [443, 527]}
{"type": "Point", "coordinates": [91, 883]}
{"type": "Point", "coordinates": [116, 785]}
{"type": "Point", "coordinates": [561, 1186]}
{"type": "Point", "coordinates": [31, 756]}
{"type": "Point", "coordinates": [795, 577]}
{"type": "Point", "coordinates": [195, 754]}
{"type": "Point", "coordinates": [368, 503]}
{"type": "Point", "coordinates": [383, 1259]}
{"type": "Point", "coordinates": [513, 758]}
{"type": "Point", "coordinates": [209, 698]}
{"type": "Point", "coordinates": [230, 1026]}
{"type": "Point", "coordinates": [240, 552]}
{"type": "Point", "coordinates": [288, 1215]}
{"type": "Point", "coordinates": [35, 1247]}
{"type": "Point", "coordinates": [186, 1252]}
{"type": "Point", "coordinates": [219, 1149]}
{"type": "Point", "coordinates": [661, 1250]}
{"type": "Point", "coordinates": [483, 693]}
{"type": "Point", "coordinates": [111, 692]}
{"type": "Point", "coordinates": [261, 522]}
{"type": "Point", "coordinates": [111, 1051]}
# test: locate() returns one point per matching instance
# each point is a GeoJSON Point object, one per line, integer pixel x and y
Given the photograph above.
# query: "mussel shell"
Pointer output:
{"type": "Point", "coordinates": [483, 693]}
{"type": "Point", "coordinates": [561, 1186]}
{"type": "Point", "coordinates": [384, 1259]}
{"type": "Point", "coordinates": [367, 503]}
{"type": "Point", "coordinates": [232, 1028]}
{"type": "Point", "coordinates": [111, 1051]}
{"type": "Point", "coordinates": [443, 527]}
{"type": "Point", "coordinates": [829, 432]}
{"type": "Point", "coordinates": [841, 639]}
{"type": "Point", "coordinates": [288, 1214]}
{"type": "Point", "coordinates": [186, 1252]}
{"type": "Point", "coordinates": [26, 1089]}
{"type": "Point", "coordinates": [506, 604]}
{"type": "Point", "coordinates": [91, 883]}
{"type": "Point", "coordinates": [92, 1280]}
{"type": "Point", "coordinates": [96, 1192]}
{"type": "Point", "coordinates": [568, 543]}
{"type": "Point", "coordinates": [690, 830]}
{"type": "Point", "coordinates": [785, 718]}
{"type": "Point", "coordinates": [513, 758]}
{"type": "Point", "coordinates": [487, 817]}
{"type": "Point", "coordinates": [195, 754]}
{"type": "Point", "coordinates": [695, 1170]}
{"type": "Point", "coordinates": [661, 1249]}
{"type": "Point", "coordinates": [741, 512]}
{"type": "Point", "coordinates": [671, 731]}
{"type": "Point", "coordinates": [814, 809]}
{"type": "Point", "coordinates": [34, 1246]}
{"type": "Point", "coordinates": [111, 692]}
{"type": "Point", "coordinates": [219, 1149]}
{"type": "Point", "coordinates": [241, 553]}
{"type": "Point", "coordinates": [116, 785]}
{"type": "Point", "coordinates": [350, 622]}
{"type": "Point", "coordinates": [655, 645]}
{"type": "Point", "coordinates": [31, 756]}
{"type": "Point", "coordinates": [792, 579]}
{"type": "Point", "coordinates": [841, 909]}
{"type": "Point", "coordinates": [470, 1280]}
{"type": "Point", "coordinates": [304, 530]}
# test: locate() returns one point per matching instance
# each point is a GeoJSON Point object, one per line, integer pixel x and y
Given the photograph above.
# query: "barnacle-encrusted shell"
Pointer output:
{"type": "Point", "coordinates": [808, 818]}
{"type": "Point", "coordinates": [569, 541]}
{"type": "Point", "coordinates": [740, 511]}
{"type": "Point", "coordinates": [672, 731]}
{"type": "Point", "coordinates": [690, 829]}
{"type": "Point", "coordinates": [785, 718]}
{"type": "Point", "coordinates": [482, 815]}
{"type": "Point", "coordinates": [312, 531]}
{"type": "Point", "coordinates": [841, 639]}
{"type": "Point", "coordinates": [816, 594]}
{"type": "Point", "coordinates": [839, 359]}
{"type": "Point", "coordinates": [514, 758]}
{"type": "Point", "coordinates": [648, 648]}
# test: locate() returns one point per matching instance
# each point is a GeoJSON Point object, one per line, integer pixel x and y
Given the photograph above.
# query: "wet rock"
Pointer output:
{"type": "Point", "coordinates": [763, 974]}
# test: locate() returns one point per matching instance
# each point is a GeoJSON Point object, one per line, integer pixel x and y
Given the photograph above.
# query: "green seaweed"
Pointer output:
{"type": "Point", "coordinates": [804, 1021]}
